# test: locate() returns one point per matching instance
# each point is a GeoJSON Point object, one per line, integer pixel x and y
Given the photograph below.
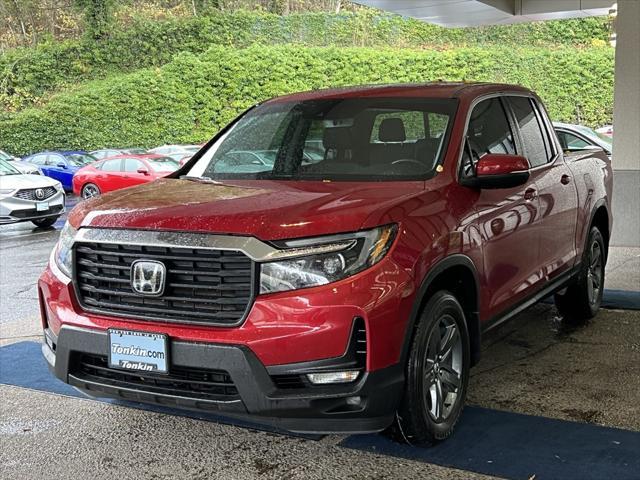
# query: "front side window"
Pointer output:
{"type": "Point", "coordinates": [132, 165]}
{"type": "Point", "coordinates": [111, 165]}
{"type": "Point", "coordinates": [537, 148]}
{"type": "Point", "coordinates": [339, 139]}
{"type": "Point", "coordinates": [488, 132]}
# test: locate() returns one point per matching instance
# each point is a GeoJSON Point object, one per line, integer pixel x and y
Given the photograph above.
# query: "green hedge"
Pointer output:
{"type": "Point", "coordinates": [190, 98]}
{"type": "Point", "coordinates": [28, 75]}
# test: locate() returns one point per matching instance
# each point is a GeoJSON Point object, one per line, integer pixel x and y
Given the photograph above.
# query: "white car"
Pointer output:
{"type": "Point", "coordinates": [22, 167]}
{"type": "Point", "coordinates": [172, 149]}
{"type": "Point", "coordinates": [33, 198]}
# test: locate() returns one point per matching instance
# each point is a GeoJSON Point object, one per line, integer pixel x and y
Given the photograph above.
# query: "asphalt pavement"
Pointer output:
{"type": "Point", "coordinates": [538, 379]}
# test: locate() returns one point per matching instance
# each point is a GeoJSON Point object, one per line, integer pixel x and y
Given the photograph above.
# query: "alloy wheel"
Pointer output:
{"type": "Point", "coordinates": [594, 273]}
{"type": "Point", "coordinates": [443, 369]}
{"type": "Point", "coordinates": [90, 191]}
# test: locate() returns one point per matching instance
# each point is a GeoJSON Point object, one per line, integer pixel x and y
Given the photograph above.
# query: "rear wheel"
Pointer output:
{"type": "Point", "coordinates": [45, 222]}
{"type": "Point", "coordinates": [437, 374]}
{"type": "Point", "coordinates": [582, 299]}
{"type": "Point", "coordinates": [90, 190]}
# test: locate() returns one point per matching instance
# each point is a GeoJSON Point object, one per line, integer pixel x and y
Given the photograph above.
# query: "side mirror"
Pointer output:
{"type": "Point", "coordinates": [143, 171]}
{"type": "Point", "coordinates": [62, 165]}
{"type": "Point", "coordinates": [496, 170]}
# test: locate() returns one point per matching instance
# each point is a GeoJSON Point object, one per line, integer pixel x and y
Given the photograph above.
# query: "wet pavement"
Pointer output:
{"type": "Point", "coordinates": [535, 365]}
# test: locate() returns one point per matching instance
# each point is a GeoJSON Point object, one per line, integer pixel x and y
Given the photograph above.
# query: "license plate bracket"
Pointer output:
{"type": "Point", "coordinates": [138, 351]}
{"type": "Point", "coordinates": [42, 206]}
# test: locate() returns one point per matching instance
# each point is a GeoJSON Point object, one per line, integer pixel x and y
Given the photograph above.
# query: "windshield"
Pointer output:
{"type": "Point", "coordinates": [338, 139]}
{"type": "Point", "coordinates": [7, 169]}
{"type": "Point", "coordinates": [5, 156]}
{"type": "Point", "coordinates": [165, 164]}
{"type": "Point", "coordinates": [80, 159]}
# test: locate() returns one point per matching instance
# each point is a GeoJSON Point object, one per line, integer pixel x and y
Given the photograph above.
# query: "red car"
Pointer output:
{"type": "Point", "coordinates": [344, 291]}
{"type": "Point", "coordinates": [121, 171]}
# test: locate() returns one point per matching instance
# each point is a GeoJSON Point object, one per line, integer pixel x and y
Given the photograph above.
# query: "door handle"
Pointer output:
{"type": "Point", "coordinates": [530, 194]}
{"type": "Point", "coordinates": [565, 179]}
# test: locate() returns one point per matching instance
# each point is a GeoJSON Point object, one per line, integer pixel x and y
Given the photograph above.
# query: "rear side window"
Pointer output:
{"type": "Point", "coordinates": [572, 142]}
{"type": "Point", "coordinates": [39, 159]}
{"type": "Point", "coordinates": [534, 137]}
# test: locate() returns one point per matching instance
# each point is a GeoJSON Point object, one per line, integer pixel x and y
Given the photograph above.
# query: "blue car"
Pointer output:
{"type": "Point", "coordinates": [61, 164]}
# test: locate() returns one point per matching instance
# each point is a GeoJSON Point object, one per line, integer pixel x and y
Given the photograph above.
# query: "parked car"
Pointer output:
{"type": "Point", "coordinates": [112, 152]}
{"type": "Point", "coordinates": [606, 130]}
{"type": "Point", "coordinates": [22, 167]}
{"type": "Point", "coordinates": [345, 295]}
{"type": "Point", "coordinates": [119, 172]}
{"type": "Point", "coordinates": [173, 149]}
{"type": "Point", "coordinates": [61, 165]}
{"type": "Point", "coordinates": [33, 198]}
{"type": "Point", "coordinates": [574, 138]}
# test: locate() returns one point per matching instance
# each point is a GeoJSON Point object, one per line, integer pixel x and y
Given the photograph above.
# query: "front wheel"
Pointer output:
{"type": "Point", "coordinates": [437, 374]}
{"type": "Point", "coordinates": [45, 222]}
{"type": "Point", "coordinates": [582, 299]}
{"type": "Point", "coordinates": [90, 190]}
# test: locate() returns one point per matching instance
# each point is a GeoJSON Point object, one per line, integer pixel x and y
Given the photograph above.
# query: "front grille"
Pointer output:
{"type": "Point", "coordinates": [197, 383]}
{"type": "Point", "coordinates": [30, 193]}
{"type": "Point", "coordinates": [213, 287]}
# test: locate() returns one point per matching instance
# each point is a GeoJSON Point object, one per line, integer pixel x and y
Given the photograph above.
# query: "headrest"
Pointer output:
{"type": "Point", "coordinates": [337, 138]}
{"type": "Point", "coordinates": [392, 130]}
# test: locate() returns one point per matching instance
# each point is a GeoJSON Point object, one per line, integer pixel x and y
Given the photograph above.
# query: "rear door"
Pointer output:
{"type": "Point", "coordinates": [507, 217]}
{"type": "Point", "coordinates": [556, 189]}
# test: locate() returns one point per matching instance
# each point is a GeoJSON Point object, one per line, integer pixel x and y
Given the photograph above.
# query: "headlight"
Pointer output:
{"type": "Point", "coordinates": [7, 191]}
{"type": "Point", "coordinates": [63, 249]}
{"type": "Point", "coordinates": [350, 254]}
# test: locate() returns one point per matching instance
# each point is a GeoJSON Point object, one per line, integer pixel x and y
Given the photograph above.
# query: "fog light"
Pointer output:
{"type": "Point", "coordinates": [354, 401]}
{"type": "Point", "coordinates": [333, 377]}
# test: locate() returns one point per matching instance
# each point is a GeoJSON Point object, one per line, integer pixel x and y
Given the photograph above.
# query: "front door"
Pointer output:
{"type": "Point", "coordinates": [508, 218]}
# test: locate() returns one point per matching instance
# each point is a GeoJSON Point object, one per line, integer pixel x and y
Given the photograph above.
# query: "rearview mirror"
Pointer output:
{"type": "Point", "coordinates": [496, 170]}
{"type": "Point", "coordinates": [143, 171]}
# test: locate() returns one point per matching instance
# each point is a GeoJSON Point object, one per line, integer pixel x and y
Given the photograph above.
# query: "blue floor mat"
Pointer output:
{"type": "Point", "coordinates": [516, 446]}
{"type": "Point", "coordinates": [504, 444]}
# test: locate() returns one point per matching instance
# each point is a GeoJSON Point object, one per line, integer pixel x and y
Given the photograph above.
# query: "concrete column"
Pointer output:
{"type": "Point", "coordinates": [626, 126]}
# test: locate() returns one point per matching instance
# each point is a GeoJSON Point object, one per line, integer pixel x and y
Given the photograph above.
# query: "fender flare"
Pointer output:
{"type": "Point", "coordinates": [473, 322]}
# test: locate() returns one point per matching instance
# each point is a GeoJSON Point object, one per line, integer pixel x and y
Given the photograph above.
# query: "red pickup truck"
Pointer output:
{"type": "Point", "coordinates": [329, 261]}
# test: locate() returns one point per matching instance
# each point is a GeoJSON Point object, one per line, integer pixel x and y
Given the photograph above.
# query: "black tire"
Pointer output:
{"type": "Point", "coordinates": [89, 190]}
{"type": "Point", "coordinates": [45, 222]}
{"type": "Point", "coordinates": [583, 297]}
{"type": "Point", "coordinates": [417, 420]}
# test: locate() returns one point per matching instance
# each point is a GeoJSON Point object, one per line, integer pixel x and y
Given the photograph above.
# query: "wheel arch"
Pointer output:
{"type": "Point", "coordinates": [457, 274]}
{"type": "Point", "coordinates": [600, 219]}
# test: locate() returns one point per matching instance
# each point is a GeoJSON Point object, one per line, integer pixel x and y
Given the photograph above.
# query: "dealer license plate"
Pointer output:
{"type": "Point", "coordinates": [138, 351]}
{"type": "Point", "coordinates": [42, 206]}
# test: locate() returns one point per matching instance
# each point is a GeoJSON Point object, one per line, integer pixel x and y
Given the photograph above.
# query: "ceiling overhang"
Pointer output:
{"type": "Point", "coordinates": [471, 13]}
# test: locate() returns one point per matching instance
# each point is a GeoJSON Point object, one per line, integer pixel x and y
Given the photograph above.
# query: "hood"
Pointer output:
{"type": "Point", "coordinates": [27, 181]}
{"type": "Point", "coordinates": [269, 210]}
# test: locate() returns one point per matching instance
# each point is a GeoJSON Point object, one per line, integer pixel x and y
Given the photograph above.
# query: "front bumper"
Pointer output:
{"type": "Point", "coordinates": [366, 405]}
{"type": "Point", "coordinates": [13, 210]}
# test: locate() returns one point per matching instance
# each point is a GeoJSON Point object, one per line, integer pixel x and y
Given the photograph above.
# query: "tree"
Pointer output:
{"type": "Point", "coordinates": [98, 16]}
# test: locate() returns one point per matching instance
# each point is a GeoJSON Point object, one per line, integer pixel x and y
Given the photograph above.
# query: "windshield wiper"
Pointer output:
{"type": "Point", "coordinates": [197, 179]}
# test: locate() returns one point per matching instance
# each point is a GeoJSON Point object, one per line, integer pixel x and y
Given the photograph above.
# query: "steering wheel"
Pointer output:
{"type": "Point", "coordinates": [407, 160]}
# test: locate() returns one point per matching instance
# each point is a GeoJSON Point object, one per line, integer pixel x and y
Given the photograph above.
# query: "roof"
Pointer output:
{"type": "Point", "coordinates": [139, 156]}
{"type": "Point", "coordinates": [426, 90]}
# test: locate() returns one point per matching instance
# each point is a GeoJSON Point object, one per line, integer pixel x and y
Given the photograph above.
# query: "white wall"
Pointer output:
{"type": "Point", "coordinates": [626, 127]}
